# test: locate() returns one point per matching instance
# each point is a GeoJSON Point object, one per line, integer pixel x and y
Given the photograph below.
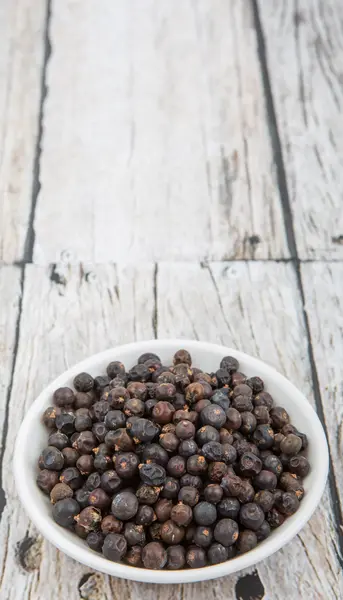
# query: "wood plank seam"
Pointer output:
{"type": "Point", "coordinates": [290, 233]}
{"type": "Point", "coordinates": [36, 184]}
{"type": "Point", "coordinates": [9, 390]}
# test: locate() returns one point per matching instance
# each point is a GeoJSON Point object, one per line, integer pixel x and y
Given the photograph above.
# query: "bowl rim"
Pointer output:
{"type": "Point", "coordinates": [96, 561]}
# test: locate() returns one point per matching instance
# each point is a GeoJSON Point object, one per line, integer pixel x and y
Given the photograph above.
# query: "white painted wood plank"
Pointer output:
{"type": "Point", "coordinates": [156, 145]}
{"type": "Point", "coordinates": [22, 34]}
{"type": "Point", "coordinates": [305, 58]}
{"type": "Point", "coordinates": [9, 306]}
{"type": "Point", "coordinates": [62, 323]}
{"type": "Point", "coordinates": [324, 306]}
{"type": "Point", "coordinates": [256, 308]}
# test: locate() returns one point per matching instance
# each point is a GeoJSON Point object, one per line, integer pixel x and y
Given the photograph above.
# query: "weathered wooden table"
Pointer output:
{"type": "Point", "coordinates": [171, 169]}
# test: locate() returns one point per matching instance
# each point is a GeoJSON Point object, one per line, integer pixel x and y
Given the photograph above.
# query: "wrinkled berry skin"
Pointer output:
{"type": "Point", "coordinates": [114, 547]}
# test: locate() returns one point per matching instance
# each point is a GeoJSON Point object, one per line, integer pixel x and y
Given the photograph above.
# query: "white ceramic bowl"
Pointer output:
{"type": "Point", "coordinates": [32, 437]}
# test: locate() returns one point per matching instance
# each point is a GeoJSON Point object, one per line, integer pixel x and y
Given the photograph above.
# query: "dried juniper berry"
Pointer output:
{"type": "Point", "coordinates": [89, 519]}
{"type": "Point", "coordinates": [84, 399]}
{"type": "Point", "coordinates": [154, 556]}
{"type": "Point", "coordinates": [207, 433]}
{"type": "Point", "coordinates": [84, 463]}
{"type": "Point", "coordinates": [65, 422]}
{"type": "Point", "coordinates": [163, 508]}
{"type": "Point", "coordinates": [189, 495]}
{"type": "Point", "coordinates": [47, 479]}
{"type": "Point", "coordinates": [171, 533]}
{"type": "Point", "coordinates": [83, 419]}
{"type": "Point", "coordinates": [119, 439]}
{"type": "Point", "coordinates": [249, 464]}
{"type": "Point", "coordinates": [126, 464]}
{"type": "Point", "coordinates": [196, 557]}
{"type": "Point", "coordinates": [265, 480]}
{"type": "Point", "coordinates": [49, 417]}
{"type": "Point", "coordinates": [163, 411]}
{"type": "Point", "coordinates": [52, 459]}
{"type": "Point", "coordinates": [134, 407]}
{"type": "Point", "coordinates": [176, 466]}
{"type": "Point", "coordinates": [272, 463]}
{"type": "Point", "coordinates": [287, 503]}
{"type": "Point", "coordinates": [275, 518]}
{"type": "Point", "coordinates": [248, 423]}
{"type": "Point", "coordinates": [114, 547]}
{"type": "Point", "coordinates": [139, 372]}
{"type": "Point", "coordinates": [256, 384]}
{"type": "Point", "coordinates": [221, 398]}
{"type": "Point", "coordinates": [226, 532]}
{"type": "Point", "coordinates": [261, 414]}
{"type": "Point", "coordinates": [194, 392]}
{"type": "Point", "coordinates": [137, 389]}
{"type": "Point", "coordinates": [64, 512]}
{"type": "Point", "coordinates": [176, 557]}
{"type": "Point", "coordinates": [299, 465]}
{"type": "Point", "coordinates": [133, 556]}
{"type": "Point", "coordinates": [263, 532]}
{"type": "Point", "coordinates": [154, 453]}
{"type": "Point", "coordinates": [229, 454]}
{"type": "Point", "coordinates": [95, 540]}
{"type": "Point", "coordinates": [290, 482]}
{"type": "Point", "coordinates": [251, 516]}
{"type": "Point", "coordinates": [279, 417]}
{"type": "Point", "coordinates": [81, 496]}
{"type": "Point", "coordinates": [83, 382]}
{"type": "Point", "coordinates": [217, 553]}
{"type": "Point", "coordinates": [213, 415]}
{"type": "Point", "coordinates": [169, 441]}
{"type": "Point", "coordinates": [265, 499]}
{"type": "Point", "coordinates": [59, 492]}
{"type": "Point", "coordinates": [229, 363]}
{"type": "Point", "coordinates": [59, 440]}
{"type": "Point", "coordinates": [152, 474]}
{"type": "Point", "coordinates": [144, 430]}
{"type": "Point", "coordinates": [212, 451]}
{"type": "Point", "coordinates": [171, 488]}
{"type": "Point", "coordinates": [233, 418]}
{"type": "Point", "coordinates": [187, 448]}
{"type": "Point", "coordinates": [181, 514]}
{"type": "Point", "coordinates": [216, 471]}
{"type": "Point", "coordinates": [263, 437]}
{"type": "Point", "coordinates": [228, 507]}
{"type": "Point", "coordinates": [85, 442]}
{"type": "Point", "coordinates": [185, 430]}
{"type": "Point", "coordinates": [124, 505]}
{"type": "Point", "coordinates": [99, 498]}
{"type": "Point", "coordinates": [99, 430]}
{"type": "Point", "coordinates": [148, 494]}
{"type": "Point", "coordinates": [204, 513]}
{"type": "Point", "coordinates": [199, 406]}
{"type": "Point", "coordinates": [247, 492]}
{"type": "Point", "coordinates": [247, 540]}
{"type": "Point", "coordinates": [115, 368]}
{"type": "Point", "coordinates": [213, 493]}
{"type": "Point", "coordinates": [223, 377]}
{"type": "Point", "coordinates": [237, 378]}
{"type": "Point", "coordinates": [291, 444]}
{"type": "Point", "coordinates": [134, 534]}
{"type": "Point", "coordinates": [102, 463]}
{"type": "Point", "coordinates": [196, 465]}
{"type": "Point", "coordinates": [145, 515]}
{"type": "Point", "coordinates": [101, 384]}
{"type": "Point", "coordinates": [72, 477]}
{"type": "Point", "coordinates": [231, 484]}
{"type": "Point", "coordinates": [100, 409]}
{"type": "Point", "coordinates": [110, 524]}
{"type": "Point", "coordinates": [93, 481]}
{"type": "Point", "coordinates": [64, 396]}
{"type": "Point", "coordinates": [203, 536]}
{"type": "Point", "coordinates": [182, 357]}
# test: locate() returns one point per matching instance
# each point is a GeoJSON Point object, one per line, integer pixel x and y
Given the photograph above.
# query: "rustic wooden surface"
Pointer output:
{"type": "Point", "coordinates": [145, 150]}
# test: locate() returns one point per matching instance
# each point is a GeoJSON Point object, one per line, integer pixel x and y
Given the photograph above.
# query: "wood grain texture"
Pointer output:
{"type": "Point", "coordinates": [324, 306]}
{"type": "Point", "coordinates": [21, 58]}
{"type": "Point", "coordinates": [9, 305]}
{"type": "Point", "coordinates": [155, 131]}
{"type": "Point", "coordinates": [71, 312]}
{"type": "Point", "coordinates": [240, 305]}
{"type": "Point", "coordinates": [304, 53]}
{"type": "Point", "coordinates": [67, 314]}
